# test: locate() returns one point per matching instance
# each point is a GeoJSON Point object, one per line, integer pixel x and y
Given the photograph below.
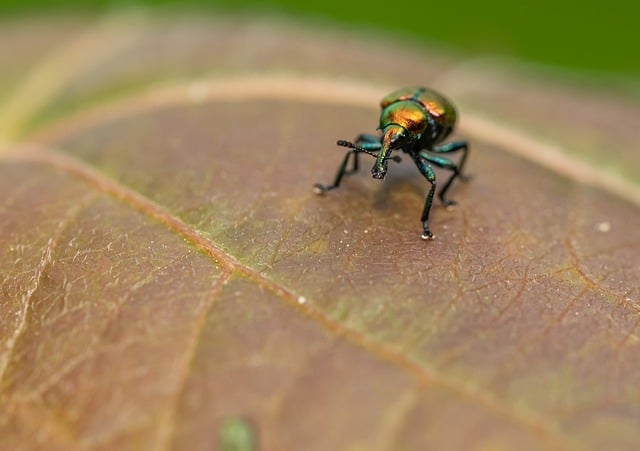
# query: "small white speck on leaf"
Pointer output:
{"type": "Point", "coordinates": [604, 227]}
{"type": "Point", "coordinates": [255, 361]}
{"type": "Point", "coordinates": [301, 300]}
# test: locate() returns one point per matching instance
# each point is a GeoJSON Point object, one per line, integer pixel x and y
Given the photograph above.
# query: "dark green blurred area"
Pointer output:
{"type": "Point", "coordinates": [589, 36]}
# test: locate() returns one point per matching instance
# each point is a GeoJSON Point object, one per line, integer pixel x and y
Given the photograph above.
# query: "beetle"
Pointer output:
{"type": "Point", "coordinates": [414, 120]}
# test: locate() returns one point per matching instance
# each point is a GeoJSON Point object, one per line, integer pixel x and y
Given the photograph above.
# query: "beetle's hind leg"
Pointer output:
{"type": "Point", "coordinates": [368, 142]}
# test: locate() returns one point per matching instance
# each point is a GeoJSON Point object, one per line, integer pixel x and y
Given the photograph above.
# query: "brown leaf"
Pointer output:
{"type": "Point", "coordinates": [166, 267]}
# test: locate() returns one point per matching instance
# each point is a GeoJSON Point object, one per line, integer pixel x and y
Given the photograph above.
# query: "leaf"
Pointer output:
{"type": "Point", "coordinates": [167, 269]}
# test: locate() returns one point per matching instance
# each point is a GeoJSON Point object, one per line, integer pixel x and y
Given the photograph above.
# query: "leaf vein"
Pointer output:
{"type": "Point", "coordinates": [166, 429]}
{"type": "Point", "coordinates": [26, 299]}
{"type": "Point", "coordinates": [425, 376]}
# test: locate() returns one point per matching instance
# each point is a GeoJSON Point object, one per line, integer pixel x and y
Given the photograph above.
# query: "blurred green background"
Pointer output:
{"type": "Point", "coordinates": [590, 37]}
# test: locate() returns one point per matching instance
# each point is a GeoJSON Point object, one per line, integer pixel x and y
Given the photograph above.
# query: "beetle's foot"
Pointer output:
{"type": "Point", "coordinates": [320, 189]}
{"type": "Point", "coordinates": [426, 234]}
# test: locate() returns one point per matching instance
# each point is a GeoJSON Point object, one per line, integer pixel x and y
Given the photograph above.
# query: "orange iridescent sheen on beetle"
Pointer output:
{"type": "Point", "coordinates": [413, 120]}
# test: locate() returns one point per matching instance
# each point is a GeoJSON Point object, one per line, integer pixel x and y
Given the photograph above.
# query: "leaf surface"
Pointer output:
{"type": "Point", "coordinates": [166, 266]}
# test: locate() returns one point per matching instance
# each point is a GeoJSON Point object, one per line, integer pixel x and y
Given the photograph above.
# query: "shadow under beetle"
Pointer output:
{"type": "Point", "coordinates": [413, 120]}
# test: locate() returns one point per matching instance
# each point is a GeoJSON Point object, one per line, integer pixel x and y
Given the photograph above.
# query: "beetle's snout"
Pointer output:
{"type": "Point", "coordinates": [378, 172]}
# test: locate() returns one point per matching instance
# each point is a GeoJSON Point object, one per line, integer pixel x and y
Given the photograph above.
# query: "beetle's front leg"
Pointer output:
{"type": "Point", "coordinates": [364, 141]}
{"type": "Point", "coordinates": [428, 173]}
{"type": "Point", "coordinates": [443, 163]}
{"type": "Point", "coordinates": [367, 142]}
{"type": "Point", "coordinates": [319, 188]}
{"type": "Point", "coordinates": [454, 147]}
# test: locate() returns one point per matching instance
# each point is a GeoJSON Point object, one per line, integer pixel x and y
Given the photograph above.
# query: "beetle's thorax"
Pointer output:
{"type": "Point", "coordinates": [408, 114]}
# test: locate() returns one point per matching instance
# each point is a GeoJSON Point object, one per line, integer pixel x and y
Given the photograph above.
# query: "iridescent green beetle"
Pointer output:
{"type": "Point", "coordinates": [413, 120]}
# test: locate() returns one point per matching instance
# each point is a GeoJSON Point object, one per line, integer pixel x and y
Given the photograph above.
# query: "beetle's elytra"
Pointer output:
{"type": "Point", "coordinates": [415, 121]}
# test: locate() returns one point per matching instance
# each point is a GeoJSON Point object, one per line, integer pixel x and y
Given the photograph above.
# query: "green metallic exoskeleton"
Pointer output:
{"type": "Point", "coordinates": [413, 120]}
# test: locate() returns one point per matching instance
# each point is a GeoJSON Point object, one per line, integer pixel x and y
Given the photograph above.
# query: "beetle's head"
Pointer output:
{"type": "Point", "coordinates": [394, 137]}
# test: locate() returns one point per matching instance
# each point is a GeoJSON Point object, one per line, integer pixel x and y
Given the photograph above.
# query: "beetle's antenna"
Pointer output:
{"type": "Point", "coordinates": [350, 145]}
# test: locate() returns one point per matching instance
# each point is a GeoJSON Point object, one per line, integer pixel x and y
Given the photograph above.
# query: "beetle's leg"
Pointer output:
{"type": "Point", "coordinates": [367, 142]}
{"type": "Point", "coordinates": [365, 138]}
{"type": "Point", "coordinates": [342, 170]}
{"type": "Point", "coordinates": [364, 142]}
{"type": "Point", "coordinates": [428, 173]}
{"type": "Point", "coordinates": [443, 163]}
{"type": "Point", "coordinates": [453, 147]}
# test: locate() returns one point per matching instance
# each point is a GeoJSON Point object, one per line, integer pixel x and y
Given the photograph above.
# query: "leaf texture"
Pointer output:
{"type": "Point", "coordinates": [166, 266]}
